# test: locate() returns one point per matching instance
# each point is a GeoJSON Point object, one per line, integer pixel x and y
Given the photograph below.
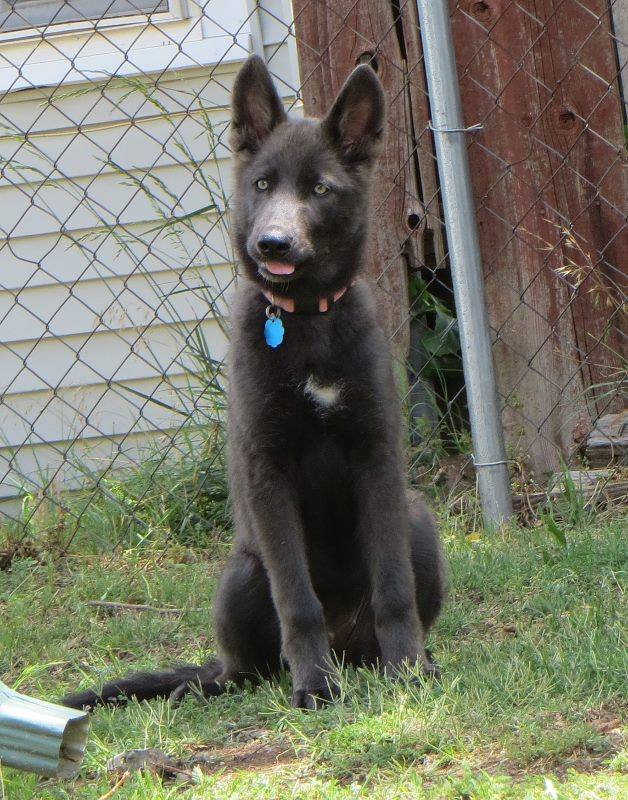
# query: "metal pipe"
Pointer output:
{"type": "Point", "coordinates": [466, 263]}
{"type": "Point", "coordinates": [255, 26]}
{"type": "Point", "coordinates": [40, 737]}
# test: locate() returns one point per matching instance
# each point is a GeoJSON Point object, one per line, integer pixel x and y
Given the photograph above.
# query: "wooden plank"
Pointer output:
{"type": "Point", "coordinates": [596, 488]}
{"type": "Point", "coordinates": [422, 136]}
{"type": "Point", "coordinates": [608, 441]}
{"type": "Point", "coordinates": [331, 40]}
{"type": "Point", "coordinates": [549, 187]}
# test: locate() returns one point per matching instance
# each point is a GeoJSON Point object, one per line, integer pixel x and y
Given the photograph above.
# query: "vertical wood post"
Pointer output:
{"type": "Point", "coordinates": [550, 187]}
{"type": "Point", "coordinates": [332, 38]}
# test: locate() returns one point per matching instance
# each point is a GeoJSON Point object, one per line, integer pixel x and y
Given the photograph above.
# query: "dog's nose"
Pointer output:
{"type": "Point", "coordinates": [273, 245]}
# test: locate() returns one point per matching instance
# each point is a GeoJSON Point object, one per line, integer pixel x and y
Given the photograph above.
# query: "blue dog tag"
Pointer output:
{"type": "Point", "coordinates": [273, 331]}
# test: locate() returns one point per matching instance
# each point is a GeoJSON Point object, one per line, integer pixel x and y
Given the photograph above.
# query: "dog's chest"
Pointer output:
{"type": "Point", "coordinates": [325, 395]}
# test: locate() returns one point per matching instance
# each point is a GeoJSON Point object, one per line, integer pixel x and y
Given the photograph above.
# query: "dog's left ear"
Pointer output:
{"type": "Point", "coordinates": [355, 122]}
{"type": "Point", "coordinates": [256, 108]}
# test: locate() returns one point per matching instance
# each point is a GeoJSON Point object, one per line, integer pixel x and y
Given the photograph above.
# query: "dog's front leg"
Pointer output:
{"type": "Point", "coordinates": [384, 534]}
{"type": "Point", "coordinates": [279, 533]}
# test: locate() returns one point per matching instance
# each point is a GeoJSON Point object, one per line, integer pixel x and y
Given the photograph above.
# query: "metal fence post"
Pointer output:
{"type": "Point", "coordinates": [466, 264]}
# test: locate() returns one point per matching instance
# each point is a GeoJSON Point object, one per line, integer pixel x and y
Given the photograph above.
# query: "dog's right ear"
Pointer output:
{"type": "Point", "coordinates": [256, 108]}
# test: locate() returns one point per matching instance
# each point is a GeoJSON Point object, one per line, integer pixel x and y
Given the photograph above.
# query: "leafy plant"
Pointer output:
{"type": "Point", "coordinates": [440, 339]}
{"type": "Point", "coordinates": [566, 510]}
{"type": "Point", "coordinates": [443, 427]}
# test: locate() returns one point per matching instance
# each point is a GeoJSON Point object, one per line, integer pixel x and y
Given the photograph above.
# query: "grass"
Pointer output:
{"type": "Point", "coordinates": [531, 703]}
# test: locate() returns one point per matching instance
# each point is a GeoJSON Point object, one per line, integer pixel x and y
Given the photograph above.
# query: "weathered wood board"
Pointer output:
{"type": "Point", "coordinates": [608, 441]}
{"type": "Point", "coordinates": [331, 40]}
{"type": "Point", "coordinates": [597, 487]}
{"type": "Point", "coordinates": [550, 185]}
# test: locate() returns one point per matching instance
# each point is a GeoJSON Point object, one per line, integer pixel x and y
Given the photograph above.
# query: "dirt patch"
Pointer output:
{"type": "Point", "coordinates": [605, 720]}
{"type": "Point", "coordinates": [253, 756]}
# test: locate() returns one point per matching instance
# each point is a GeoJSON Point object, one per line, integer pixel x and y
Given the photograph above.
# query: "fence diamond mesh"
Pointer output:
{"type": "Point", "coordinates": [117, 266]}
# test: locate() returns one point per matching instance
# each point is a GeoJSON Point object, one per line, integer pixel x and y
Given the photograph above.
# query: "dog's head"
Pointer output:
{"type": "Point", "coordinates": [302, 197]}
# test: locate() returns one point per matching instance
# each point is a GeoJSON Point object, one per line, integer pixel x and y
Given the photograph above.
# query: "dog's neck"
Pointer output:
{"type": "Point", "coordinates": [319, 305]}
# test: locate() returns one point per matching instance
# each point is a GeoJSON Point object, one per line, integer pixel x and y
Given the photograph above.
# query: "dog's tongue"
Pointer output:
{"type": "Point", "coordinates": [278, 268]}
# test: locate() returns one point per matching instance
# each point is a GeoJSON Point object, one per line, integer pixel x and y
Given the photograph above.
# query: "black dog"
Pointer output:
{"type": "Point", "coordinates": [328, 556]}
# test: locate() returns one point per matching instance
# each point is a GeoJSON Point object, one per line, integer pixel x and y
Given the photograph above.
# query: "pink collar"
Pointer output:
{"type": "Point", "coordinates": [287, 303]}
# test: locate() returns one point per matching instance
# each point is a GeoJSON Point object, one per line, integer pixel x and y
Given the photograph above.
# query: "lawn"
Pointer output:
{"type": "Point", "coordinates": [531, 703]}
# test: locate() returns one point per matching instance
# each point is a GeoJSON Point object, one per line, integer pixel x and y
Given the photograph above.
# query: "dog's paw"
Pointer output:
{"type": "Point", "coordinates": [428, 673]}
{"type": "Point", "coordinates": [423, 664]}
{"type": "Point", "coordinates": [430, 670]}
{"type": "Point", "coordinates": [425, 671]}
{"type": "Point", "coordinates": [314, 698]}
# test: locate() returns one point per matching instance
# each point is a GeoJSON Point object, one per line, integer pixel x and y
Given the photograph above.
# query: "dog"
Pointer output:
{"type": "Point", "coordinates": [330, 557]}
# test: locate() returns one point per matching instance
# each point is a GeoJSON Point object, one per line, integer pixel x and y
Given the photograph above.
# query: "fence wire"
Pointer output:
{"type": "Point", "coordinates": [117, 262]}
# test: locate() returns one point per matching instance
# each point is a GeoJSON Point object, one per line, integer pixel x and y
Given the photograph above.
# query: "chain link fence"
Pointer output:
{"type": "Point", "coordinates": [117, 265]}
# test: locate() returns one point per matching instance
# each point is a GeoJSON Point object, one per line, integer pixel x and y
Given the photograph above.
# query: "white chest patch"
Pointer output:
{"type": "Point", "coordinates": [324, 395]}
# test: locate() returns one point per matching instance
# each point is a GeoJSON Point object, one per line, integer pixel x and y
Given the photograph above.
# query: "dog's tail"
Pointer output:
{"type": "Point", "coordinates": [145, 686]}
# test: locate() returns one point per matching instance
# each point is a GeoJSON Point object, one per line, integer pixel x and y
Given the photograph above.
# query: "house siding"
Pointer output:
{"type": "Point", "coordinates": [88, 326]}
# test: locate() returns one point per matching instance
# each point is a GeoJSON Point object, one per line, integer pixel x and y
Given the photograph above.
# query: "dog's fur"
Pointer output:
{"type": "Point", "coordinates": [328, 554]}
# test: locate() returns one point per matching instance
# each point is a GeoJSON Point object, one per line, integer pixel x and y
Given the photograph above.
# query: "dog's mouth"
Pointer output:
{"type": "Point", "coordinates": [276, 271]}
{"type": "Point", "coordinates": [278, 267]}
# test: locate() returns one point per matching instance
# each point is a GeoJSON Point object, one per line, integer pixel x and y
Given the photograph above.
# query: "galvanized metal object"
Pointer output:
{"type": "Point", "coordinates": [466, 264]}
{"type": "Point", "coordinates": [40, 737]}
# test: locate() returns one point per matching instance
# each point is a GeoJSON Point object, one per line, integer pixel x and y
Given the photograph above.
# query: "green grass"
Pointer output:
{"type": "Point", "coordinates": [531, 703]}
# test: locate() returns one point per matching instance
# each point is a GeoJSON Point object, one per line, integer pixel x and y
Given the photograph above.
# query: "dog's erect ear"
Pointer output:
{"type": "Point", "coordinates": [256, 108]}
{"type": "Point", "coordinates": [355, 122]}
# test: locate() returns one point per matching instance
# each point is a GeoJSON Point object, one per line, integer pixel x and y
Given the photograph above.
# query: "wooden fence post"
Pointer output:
{"type": "Point", "coordinates": [332, 38]}
{"type": "Point", "coordinates": [550, 187]}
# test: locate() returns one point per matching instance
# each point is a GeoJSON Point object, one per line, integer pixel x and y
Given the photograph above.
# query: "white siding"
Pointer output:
{"type": "Point", "coordinates": [88, 326]}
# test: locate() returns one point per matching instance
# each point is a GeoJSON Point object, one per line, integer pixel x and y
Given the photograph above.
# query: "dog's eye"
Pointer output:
{"type": "Point", "coordinates": [261, 184]}
{"type": "Point", "coordinates": [321, 189]}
